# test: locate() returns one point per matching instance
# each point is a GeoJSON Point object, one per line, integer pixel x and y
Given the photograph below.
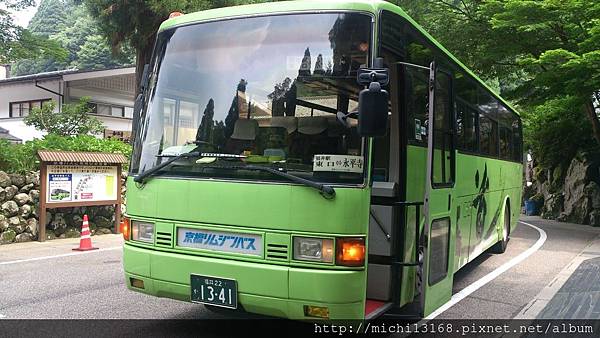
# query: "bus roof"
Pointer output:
{"type": "Point", "coordinates": [371, 6]}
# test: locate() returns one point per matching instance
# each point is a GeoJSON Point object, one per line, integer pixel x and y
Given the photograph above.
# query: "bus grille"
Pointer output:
{"type": "Point", "coordinates": [277, 252]}
{"type": "Point", "coordinates": [164, 239]}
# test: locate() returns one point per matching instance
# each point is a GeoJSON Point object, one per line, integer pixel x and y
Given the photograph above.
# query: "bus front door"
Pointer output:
{"type": "Point", "coordinates": [436, 237]}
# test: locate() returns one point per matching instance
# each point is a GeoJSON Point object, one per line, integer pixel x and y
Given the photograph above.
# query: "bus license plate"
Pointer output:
{"type": "Point", "coordinates": [214, 291]}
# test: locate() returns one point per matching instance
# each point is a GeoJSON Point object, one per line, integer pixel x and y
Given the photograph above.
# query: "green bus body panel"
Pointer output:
{"type": "Point", "coordinates": [505, 180]}
{"type": "Point", "coordinates": [282, 290]}
{"type": "Point", "coordinates": [257, 205]}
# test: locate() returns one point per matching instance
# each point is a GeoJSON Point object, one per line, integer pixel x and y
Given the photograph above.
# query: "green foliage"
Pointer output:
{"type": "Point", "coordinates": [73, 119]}
{"type": "Point", "coordinates": [68, 24]}
{"type": "Point", "coordinates": [17, 43]}
{"type": "Point", "coordinates": [51, 17]}
{"type": "Point", "coordinates": [94, 54]}
{"type": "Point", "coordinates": [545, 55]}
{"type": "Point", "coordinates": [23, 157]}
{"type": "Point", "coordinates": [556, 131]}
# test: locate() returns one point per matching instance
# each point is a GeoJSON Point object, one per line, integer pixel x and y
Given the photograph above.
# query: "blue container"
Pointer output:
{"type": "Point", "coordinates": [531, 208]}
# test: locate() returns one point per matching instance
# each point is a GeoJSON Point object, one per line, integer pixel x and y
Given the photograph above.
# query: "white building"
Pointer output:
{"type": "Point", "coordinates": [111, 91]}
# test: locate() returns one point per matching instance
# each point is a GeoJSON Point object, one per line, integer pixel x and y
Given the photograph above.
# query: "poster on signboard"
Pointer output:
{"type": "Point", "coordinates": [60, 187]}
{"type": "Point", "coordinates": [81, 183]}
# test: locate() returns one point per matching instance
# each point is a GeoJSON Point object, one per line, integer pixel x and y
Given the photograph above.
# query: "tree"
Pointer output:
{"type": "Point", "coordinates": [17, 43]}
{"type": "Point", "coordinates": [94, 54]}
{"type": "Point", "coordinates": [74, 119]}
{"type": "Point", "coordinates": [206, 129]}
{"type": "Point", "coordinates": [278, 96]}
{"type": "Point", "coordinates": [69, 24]}
{"type": "Point", "coordinates": [51, 17]}
{"type": "Point", "coordinates": [305, 64]}
{"type": "Point", "coordinates": [136, 22]}
{"type": "Point", "coordinates": [319, 66]}
{"type": "Point", "coordinates": [545, 55]}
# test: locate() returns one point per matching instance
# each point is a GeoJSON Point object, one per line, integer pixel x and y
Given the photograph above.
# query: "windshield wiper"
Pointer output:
{"type": "Point", "coordinates": [325, 190]}
{"type": "Point", "coordinates": [142, 177]}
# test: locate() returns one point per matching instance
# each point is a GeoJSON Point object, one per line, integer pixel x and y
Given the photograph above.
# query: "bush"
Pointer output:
{"type": "Point", "coordinates": [73, 119]}
{"type": "Point", "coordinates": [556, 130]}
{"type": "Point", "coordinates": [537, 198]}
{"type": "Point", "coordinates": [23, 157]}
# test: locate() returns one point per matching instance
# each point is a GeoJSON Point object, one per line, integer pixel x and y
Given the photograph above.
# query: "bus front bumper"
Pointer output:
{"type": "Point", "coordinates": [263, 288]}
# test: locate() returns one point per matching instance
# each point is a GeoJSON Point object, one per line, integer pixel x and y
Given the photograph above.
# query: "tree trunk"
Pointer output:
{"type": "Point", "coordinates": [593, 117]}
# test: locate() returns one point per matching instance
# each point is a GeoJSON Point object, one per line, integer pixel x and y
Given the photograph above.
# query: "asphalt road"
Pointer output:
{"type": "Point", "coordinates": [91, 286]}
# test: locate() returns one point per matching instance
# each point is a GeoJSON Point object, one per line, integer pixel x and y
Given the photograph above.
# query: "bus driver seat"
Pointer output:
{"type": "Point", "coordinates": [243, 137]}
{"type": "Point", "coordinates": [311, 138]}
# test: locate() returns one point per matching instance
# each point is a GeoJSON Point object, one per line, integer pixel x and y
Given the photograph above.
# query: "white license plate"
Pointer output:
{"type": "Point", "coordinates": [220, 241]}
{"type": "Point", "coordinates": [214, 291]}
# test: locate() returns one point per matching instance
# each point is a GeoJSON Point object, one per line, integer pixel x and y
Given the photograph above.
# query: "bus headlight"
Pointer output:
{"type": "Point", "coordinates": [142, 231]}
{"type": "Point", "coordinates": [313, 249]}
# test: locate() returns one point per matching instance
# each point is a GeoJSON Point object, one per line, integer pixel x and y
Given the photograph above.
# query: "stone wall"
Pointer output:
{"type": "Point", "coordinates": [572, 193]}
{"type": "Point", "coordinates": [19, 212]}
{"type": "Point", "coordinates": [19, 197]}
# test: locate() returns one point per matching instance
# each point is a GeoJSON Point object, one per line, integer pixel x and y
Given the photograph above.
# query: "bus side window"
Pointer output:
{"type": "Point", "coordinates": [517, 140]}
{"type": "Point", "coordinates": [488, 136]}
{"type": "Point", "coordinates": [443, 132]}
{"type": "Point", "coordinates": [466, 127]}
{"type": "Point", "coordinates": [505, 143]}
{"type": "Point", "coordinates": [417, 105]}
{"type": "Point", "coordinates": [466, 114]}
{"type": "Point", "coordinates": [381, 157]}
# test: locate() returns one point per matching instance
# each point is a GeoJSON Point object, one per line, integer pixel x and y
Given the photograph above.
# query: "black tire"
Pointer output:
{"type": "Point", "coordinates": [500, 247]}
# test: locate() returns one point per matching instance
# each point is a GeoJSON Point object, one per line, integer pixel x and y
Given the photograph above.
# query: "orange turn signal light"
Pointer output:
{"type": "Point", "coordinates": [316, 311]}
{"type": "Point", "coordinates": [350, 251]}
{"type": "Point", "coordinates": [136, 283]}
{"type": "Point", "coordinates": [125, 228]}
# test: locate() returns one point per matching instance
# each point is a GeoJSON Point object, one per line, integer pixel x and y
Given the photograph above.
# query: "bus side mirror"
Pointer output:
{"type": "Point", "coordinates": [372, 111]}
{"type": "Point", "coordinates": [373, 101]}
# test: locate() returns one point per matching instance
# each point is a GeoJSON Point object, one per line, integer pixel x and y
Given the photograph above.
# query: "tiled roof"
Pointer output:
{"type": "Point", "coordinates": [6, 136]}
{"type": "Point", "coordinates": [81, 157]}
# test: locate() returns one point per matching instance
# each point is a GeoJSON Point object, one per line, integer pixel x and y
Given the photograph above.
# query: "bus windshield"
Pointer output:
{"type": "Point", "coordinates": [260, 91]}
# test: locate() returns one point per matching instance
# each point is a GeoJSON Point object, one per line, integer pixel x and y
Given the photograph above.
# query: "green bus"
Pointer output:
{"type": "Point", "coordinates": [314, 160]}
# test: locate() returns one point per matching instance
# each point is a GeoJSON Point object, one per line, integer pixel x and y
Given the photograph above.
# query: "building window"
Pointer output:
{"type": "Point", "coordinates": [22, 108]}
{"type": "Point", "coordinates": [110, 110]}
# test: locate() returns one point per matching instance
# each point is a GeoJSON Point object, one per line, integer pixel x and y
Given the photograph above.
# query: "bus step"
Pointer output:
{"type": "Point", "coordinates": [375, 308]}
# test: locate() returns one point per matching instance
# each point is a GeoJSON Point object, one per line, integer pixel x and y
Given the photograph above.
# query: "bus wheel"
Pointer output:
{"type": "Point", "coordinates": [500, 247]}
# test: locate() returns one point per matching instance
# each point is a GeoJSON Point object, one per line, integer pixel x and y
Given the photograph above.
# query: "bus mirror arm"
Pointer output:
{"type": "Point", "coordinates": [343, 118]}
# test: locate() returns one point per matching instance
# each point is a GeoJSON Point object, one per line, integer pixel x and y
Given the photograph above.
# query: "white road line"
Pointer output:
{"type": "Point", "coordinates": [462, 294]}
{"type": "Point", "coordinates": [59, 256]}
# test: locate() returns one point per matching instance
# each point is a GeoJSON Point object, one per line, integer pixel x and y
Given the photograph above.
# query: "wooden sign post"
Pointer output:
{"type": "Point", "coordinates": [76, 179]}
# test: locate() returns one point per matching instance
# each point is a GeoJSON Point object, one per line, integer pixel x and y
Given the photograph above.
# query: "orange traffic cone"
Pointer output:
{"type": "Point", "coordinates": [85, 243]}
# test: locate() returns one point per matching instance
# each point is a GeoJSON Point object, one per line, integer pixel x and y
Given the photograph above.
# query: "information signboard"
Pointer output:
{"type": "Point", "coordinates": [77, 179]}
{"type": "Point", "coordinates": [76, 183]}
